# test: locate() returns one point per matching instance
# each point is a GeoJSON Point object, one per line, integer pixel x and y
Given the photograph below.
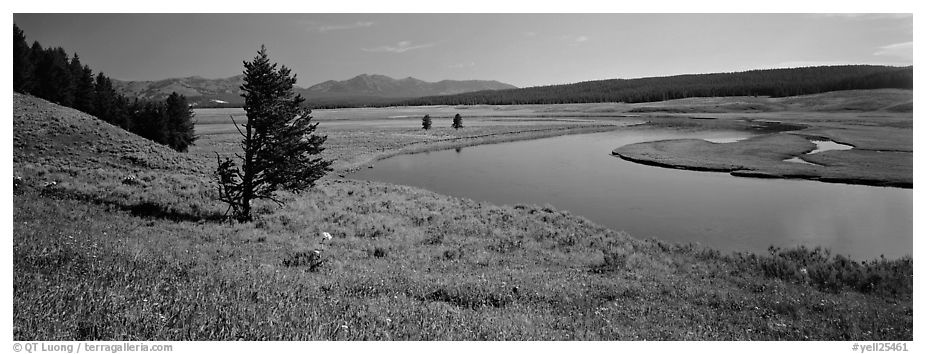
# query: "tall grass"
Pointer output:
{"type": "Point", "coordinates": [97, 272]}
{"type": "Point", "coordinates": [835, 273]}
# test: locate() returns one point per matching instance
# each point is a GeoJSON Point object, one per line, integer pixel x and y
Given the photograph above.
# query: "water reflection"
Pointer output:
{"type": "Point", "coordinates": [826, 145]}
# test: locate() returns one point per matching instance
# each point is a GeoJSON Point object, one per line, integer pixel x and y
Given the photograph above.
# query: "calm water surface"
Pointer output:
{"type": "Point", "coordinates": [826, 145]}
{"type": "Point", "coordinates": [578, 173]}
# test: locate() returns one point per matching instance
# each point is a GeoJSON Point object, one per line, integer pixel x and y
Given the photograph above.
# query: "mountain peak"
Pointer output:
{"type": "Point", "coordinates": [375, 85]}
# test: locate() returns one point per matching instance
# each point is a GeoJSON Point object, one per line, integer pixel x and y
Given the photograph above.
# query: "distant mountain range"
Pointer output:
{"type": "Point", "coordinates": [360, 90]}
{"type": "Point", "coordinates": [198, 90]}
{"type": "Point", "coordinates": [378, 90]}
{"type": "Point", "coordinates": [384, 86]}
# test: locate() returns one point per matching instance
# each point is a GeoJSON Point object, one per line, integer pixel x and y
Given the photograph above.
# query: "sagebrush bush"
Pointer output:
{"type": "Point", "coordinates": [454, 254]}
{"type": "Point", "coordinates": [379, 252]}
{"type": "Point", "coordinates": [312, 259]}
{"type": "Point", "coordinates": [833, 273]}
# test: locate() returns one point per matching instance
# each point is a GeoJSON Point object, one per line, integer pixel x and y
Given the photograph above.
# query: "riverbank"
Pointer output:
{"type": "Point", "coordinates": [354, 144]}
{"type": "Point", "coordinates": [130, 244]}
{"type": "Point", "coordinates": [880, 156]}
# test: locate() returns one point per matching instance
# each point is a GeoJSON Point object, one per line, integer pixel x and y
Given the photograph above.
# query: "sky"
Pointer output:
{"type": "Point", "coordinates": [519, 49]}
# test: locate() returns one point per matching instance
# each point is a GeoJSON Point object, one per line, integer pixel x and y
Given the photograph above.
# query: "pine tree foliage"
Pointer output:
{"type": "Point", "coordinates": [149, 121]}
{"type": "Point", "coordinates": [81, 85]}
{"type": "Point", "coordinates": [426, 122]}
{"type": "Point", "coordinates": [279, 144]}
{"type": "Point", "coordinates": [53, 78]}
{"type": "Point", "coordinates": [178, 121]}
{"type": "Point", "coordinates": [105, 101]}
{"type": "Point", "coordinates": [457, 121]}
{"type": "Point", "coordinates": [22, 62]}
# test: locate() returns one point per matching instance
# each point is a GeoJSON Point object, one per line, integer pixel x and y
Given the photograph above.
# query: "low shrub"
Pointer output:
{"type": "Point", "coordinates": [379, 252]}
{"type": "Point", "coordinates": [615, 258]}
{"type": "Point", "coordinates": [312, 259]}
{"type": "Point", "coordinates": [454, 254]}
{"type": "Point", "coordinates": [826, 272]}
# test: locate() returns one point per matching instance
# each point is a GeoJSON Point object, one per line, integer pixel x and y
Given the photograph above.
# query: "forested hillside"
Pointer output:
{"type": "Point", "coordinates": [51, 74]}
{"type": "Point", "coordinates": [773, 82]}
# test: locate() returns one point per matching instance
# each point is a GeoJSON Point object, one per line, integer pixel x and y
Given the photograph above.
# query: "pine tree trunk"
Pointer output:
{"type": "Point", "coordinates": [247, 190]}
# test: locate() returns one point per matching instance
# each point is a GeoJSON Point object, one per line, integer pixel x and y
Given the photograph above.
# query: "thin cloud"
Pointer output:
{"type": "Point", "coordinates": [400, 47]}
{"type": "Point", "coordinates": [348, 26]}
{"type": "Point", "coordinates": [864, 16]}
{"type": "Point", "coordinates": [898, 50]}
{"type": "Point", "coordinates": [461, 65]}
{"type": "Point", "coordinates": [576, 40]}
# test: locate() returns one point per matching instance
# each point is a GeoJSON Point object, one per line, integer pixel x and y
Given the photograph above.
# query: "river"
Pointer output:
{"type": "Point", "coordinates": [577, 173]}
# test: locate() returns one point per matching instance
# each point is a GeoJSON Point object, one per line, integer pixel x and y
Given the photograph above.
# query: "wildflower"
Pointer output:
{"type": "Point", "coordinates": [50, 184]}
{"type": "Point", "coordinates": [326, 236]}
{"type": "Point", "coordinates": [130, 179]}
{"type": "Point", "coordinates": [804, 271]}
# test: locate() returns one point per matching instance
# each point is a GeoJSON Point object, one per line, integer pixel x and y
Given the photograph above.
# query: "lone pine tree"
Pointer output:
{"type": "Point", "coordinates": [279, 142]}
{"type": "Point", "coordinates": [457, 121]}
{"type": "Point", "coordinates": [426, 122]}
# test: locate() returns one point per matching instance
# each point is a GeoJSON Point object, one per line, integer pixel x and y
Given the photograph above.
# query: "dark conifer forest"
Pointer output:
{"type": "Point", "coordinates": [51, 74]}
{"type": "Point", "coordinates": [773, 83]}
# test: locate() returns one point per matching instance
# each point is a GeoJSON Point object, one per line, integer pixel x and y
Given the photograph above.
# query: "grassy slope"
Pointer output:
{"type": "Point", "coordinates": [102, 256]}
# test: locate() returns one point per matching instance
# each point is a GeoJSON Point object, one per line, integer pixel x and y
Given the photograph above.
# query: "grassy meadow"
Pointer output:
{"type": "Point", "coordinates": [116, 238]}
{"type": "Point", "coordinates": [360, 136]}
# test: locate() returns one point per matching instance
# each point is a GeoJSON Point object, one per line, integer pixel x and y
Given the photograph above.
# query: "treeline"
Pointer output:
{"type": "Point", "coordinates": [773, 82]}
{"type": "Point", "coordinates": [50, 74]}
{"type": "Point", "coordinates": [348, 102]}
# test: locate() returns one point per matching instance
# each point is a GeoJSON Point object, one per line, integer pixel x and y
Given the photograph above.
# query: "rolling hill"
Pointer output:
{"type": "Point", "coordinates": [198, 90]}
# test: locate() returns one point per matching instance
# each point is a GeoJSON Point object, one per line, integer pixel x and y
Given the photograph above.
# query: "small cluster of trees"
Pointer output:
{"type": "Point", "coordinates": [50, 74]}
{"type": "Point", "coordinates": [773, 82]}
{"type": "Point", "coordinates": [457, 122]}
